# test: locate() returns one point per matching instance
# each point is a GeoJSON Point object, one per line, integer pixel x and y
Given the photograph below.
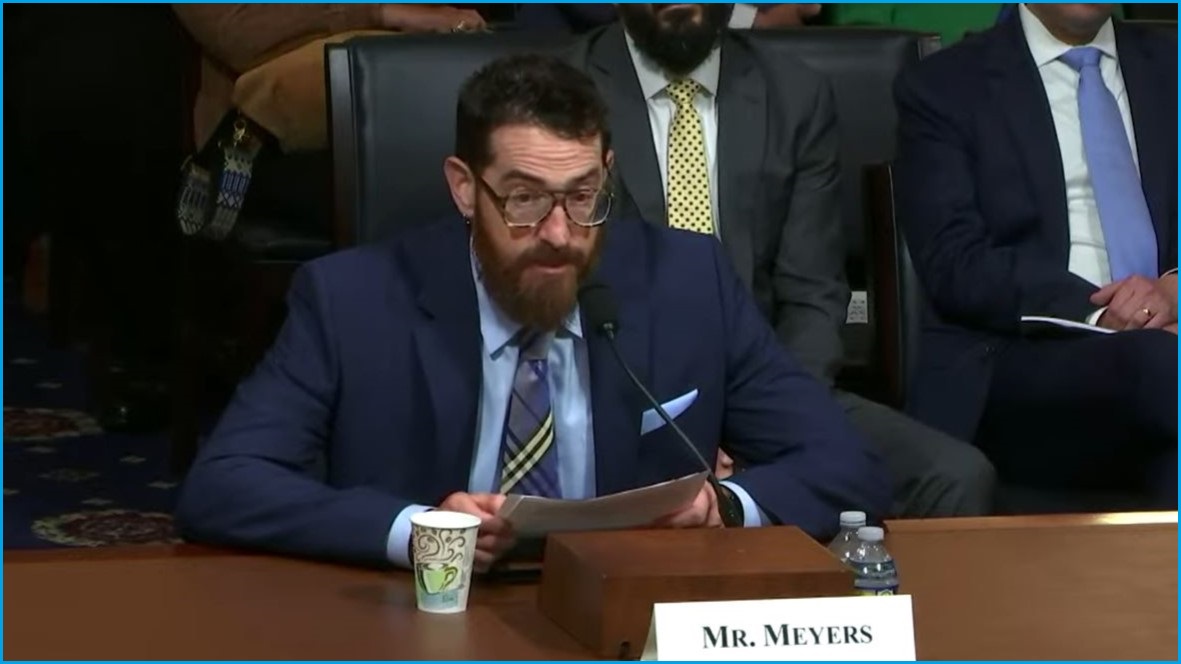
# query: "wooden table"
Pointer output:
{"type": "Point", "coordinates": [997, 588]}
{"type": "Point", "coordinates": [1053, 587]}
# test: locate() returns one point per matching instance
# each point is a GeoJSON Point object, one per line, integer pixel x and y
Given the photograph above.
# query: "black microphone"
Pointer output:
{"type": "Point", "coordinates": [597, 308]}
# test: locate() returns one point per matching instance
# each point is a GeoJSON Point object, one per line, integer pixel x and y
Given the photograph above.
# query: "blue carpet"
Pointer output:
{"type": "Point", "coordinates": [67, 482]}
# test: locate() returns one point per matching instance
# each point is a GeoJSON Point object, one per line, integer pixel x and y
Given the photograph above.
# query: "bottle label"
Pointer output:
{"type": "Point", "coordinates": [889, 590]}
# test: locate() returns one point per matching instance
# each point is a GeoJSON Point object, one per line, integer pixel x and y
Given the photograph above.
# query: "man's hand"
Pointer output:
{"type": "Point", "coordinates": [702, 512]}
{"type": "Point", "coordinates": [430, 18]}
{"type": "Point", "coordinates": [1134, 303]}
{"type": "Point", "coordinates": [725, 465]}
{"type": "Point", "coordinates": [495, 536]}
{"type": "Point", "coordinates": [785, 15]}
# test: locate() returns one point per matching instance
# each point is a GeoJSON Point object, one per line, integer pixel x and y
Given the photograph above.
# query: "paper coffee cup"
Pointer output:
{"type": "Point", "coordinates": [443, 547]}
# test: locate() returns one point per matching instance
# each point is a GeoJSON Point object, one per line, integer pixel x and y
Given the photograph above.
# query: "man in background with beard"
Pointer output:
{"type": "Point", "coordinates": [715, 136]}
{"type": "Point", "coordinates": [453, 365]}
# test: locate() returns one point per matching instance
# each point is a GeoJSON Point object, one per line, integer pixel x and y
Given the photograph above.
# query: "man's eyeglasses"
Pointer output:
{"type": "Point", "coordinates": [525, 208]}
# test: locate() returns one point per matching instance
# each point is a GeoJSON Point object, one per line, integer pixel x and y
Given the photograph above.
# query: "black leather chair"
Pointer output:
{"type": "Point", "coordinates": [392, 118]}
{"type": "Point", "coordinates": [389, 142]}
{"type": "Point", "coordinates": [861, 64]}
{"type": "Point", "coordinates": [901, 305]}
{"type": "Point", "coordinates": [900, 298]}
{"type": "Point", "coordinates": [387, 175]}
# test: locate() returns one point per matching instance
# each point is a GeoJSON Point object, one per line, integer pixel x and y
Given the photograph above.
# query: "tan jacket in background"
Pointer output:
{"type": "Point", "coordinates": [267, 60]}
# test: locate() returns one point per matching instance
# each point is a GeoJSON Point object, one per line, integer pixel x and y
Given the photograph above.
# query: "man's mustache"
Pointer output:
{"type": "Point", "coordinates": [549, 257]}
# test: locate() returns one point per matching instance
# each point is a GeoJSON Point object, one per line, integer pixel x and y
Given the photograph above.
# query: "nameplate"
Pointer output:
{"type": "Point", "coordinates": [814, 628]}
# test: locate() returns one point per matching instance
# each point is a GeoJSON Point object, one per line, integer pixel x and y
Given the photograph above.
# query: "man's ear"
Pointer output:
{"type": "Point", "coordinates": [462, 184]}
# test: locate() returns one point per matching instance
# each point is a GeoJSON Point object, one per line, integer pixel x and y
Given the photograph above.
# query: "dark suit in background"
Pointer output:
{"type": "Point", "coordinates": [981, 194]}
{"type": "Point", "coordinates": [778, 209]}
{"type": "Point", "coordinates": [368, 400]}
{"type": "Point", "coordinates": [565, 17]}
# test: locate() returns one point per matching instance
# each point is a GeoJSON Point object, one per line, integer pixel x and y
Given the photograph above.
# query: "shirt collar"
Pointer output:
{"type": "Point", "coordinates": [1046, 48]}
{"type": "Point", "coordinates": [496, 327]}
{"type": "Point", "coordinates": [653, 79]}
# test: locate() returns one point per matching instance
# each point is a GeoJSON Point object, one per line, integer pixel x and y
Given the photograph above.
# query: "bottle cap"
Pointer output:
{"type": "Point", "coordinates": [852, 519]}
{"type": "Point", "coordinates": [870, 534]}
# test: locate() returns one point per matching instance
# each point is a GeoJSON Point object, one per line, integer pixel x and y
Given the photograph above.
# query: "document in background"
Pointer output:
{"type": "Point", "coordinates": [1046, 323]}
{"type": "Point", "coordinates": [532, 516]}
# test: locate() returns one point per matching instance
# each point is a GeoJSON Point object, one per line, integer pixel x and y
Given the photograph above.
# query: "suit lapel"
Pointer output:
{"type": "Point", "coordinates": [448, 342]}
{"type": "Point", "coordinates": [1022, 98]}
{"type": "Point", "coordinates": [1151, 122]}
{"type": "Point", "coordinates": [635, 154]}
{"type": "Point", "coordinates": [616, 404]}
{"type": "Point", "coordinates": [741, 141]}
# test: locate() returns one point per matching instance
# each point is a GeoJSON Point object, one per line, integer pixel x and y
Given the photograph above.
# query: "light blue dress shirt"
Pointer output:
{"type": "Point", "coordinates": [569, 385]}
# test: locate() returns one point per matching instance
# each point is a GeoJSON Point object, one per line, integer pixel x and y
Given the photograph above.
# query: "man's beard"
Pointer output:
{"type": "Point", "coordinates": [675, 43]}
{"type": "Point", "coordinates": [538, 303]}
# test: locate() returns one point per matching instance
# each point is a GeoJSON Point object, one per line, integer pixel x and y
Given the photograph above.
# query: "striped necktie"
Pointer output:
{"type": "Point", "coordinates": [529, 456]}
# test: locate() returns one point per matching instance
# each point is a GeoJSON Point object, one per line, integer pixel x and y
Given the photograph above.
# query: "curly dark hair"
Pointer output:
{"type": "Point", "coordinates": [530, 89]}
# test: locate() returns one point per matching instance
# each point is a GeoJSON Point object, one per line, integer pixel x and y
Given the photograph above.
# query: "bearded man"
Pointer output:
{"type": "Point", "coordinates": [718, 135]}
{"type": "Point", "coordinates": [452, 365]}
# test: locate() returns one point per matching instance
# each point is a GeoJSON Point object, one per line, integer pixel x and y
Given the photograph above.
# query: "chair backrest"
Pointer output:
{"type": "Point", "coordinates": [392, 118]}
{"type": "Point", "coordinates": [409, 117]}
{"type": "Point", "coordinates": [393, 104]}
{"type": "Point", "coordinates": [861, 64]}
{"type": "Point", "coordinates": [900, 297]}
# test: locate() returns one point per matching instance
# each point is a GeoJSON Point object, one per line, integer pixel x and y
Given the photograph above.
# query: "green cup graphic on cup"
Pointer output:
{"type": "Point", "coordinates": [443, 547]}
{"type": "Point", "coordinates": [434, 578]}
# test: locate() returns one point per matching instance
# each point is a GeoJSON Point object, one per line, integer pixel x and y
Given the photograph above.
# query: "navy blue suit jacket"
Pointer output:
{"type": "Point", "coordinates": [980, 194]}
{"type": "Point", "coordinates": [367, 401]}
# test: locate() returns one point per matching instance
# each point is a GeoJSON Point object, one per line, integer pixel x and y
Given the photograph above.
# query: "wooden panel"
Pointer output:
{"type": "Point", "coordinates": [1060, 587]}
{"type": "Point", "coordinates": [601, 586]}
{"type": "Point", "coordinates": [255, 607]}
{"type": "Point", "coordinates": [1033, 521]}
{"type": "Point", "coordinates": [1020, 591]}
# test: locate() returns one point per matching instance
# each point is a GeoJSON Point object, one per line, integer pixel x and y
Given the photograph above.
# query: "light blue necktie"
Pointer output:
{"type": "Point", "coordinates": [529, 456]}
{"type": "Point", "coordinates": [1123, 212]}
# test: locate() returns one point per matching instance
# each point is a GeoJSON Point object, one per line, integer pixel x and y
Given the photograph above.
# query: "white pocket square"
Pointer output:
{"type": "Point", "coordinates": [652, 419]}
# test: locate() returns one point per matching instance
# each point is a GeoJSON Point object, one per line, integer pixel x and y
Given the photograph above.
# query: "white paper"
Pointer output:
{"type": "Point", "coordinates": [532, 516]}
{"type": "Point", "coordinates": [878, 628]}
{"type": "Point", "coordinates": [1062, 322]}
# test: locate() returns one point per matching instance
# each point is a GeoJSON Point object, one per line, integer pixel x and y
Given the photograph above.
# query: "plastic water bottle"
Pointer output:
{"type": "Point", "coordinates": [846, 541]}
{"type": "Point", "coordinates": [875, 570]}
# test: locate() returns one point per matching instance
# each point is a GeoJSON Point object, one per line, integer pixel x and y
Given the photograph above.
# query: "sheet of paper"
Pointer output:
{"type": "Point", "coordinates": [532, 516]}
{"type": "Point", "coordinates": [1063, 323]}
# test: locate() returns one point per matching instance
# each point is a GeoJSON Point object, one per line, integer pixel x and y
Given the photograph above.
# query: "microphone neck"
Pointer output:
{"type": "Point", "coordinates": [726, 507]}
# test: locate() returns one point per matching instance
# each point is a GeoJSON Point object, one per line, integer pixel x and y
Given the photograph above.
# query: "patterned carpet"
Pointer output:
{"type": "Point", "coordinates": [66, 481]}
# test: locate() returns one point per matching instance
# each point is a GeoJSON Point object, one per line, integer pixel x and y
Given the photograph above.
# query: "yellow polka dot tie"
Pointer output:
{"type": "Point", "coordinates": [688, 176]}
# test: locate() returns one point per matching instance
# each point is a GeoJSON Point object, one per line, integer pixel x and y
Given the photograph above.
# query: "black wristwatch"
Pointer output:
{"type": "Point", "coordinates": [735, 516]}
